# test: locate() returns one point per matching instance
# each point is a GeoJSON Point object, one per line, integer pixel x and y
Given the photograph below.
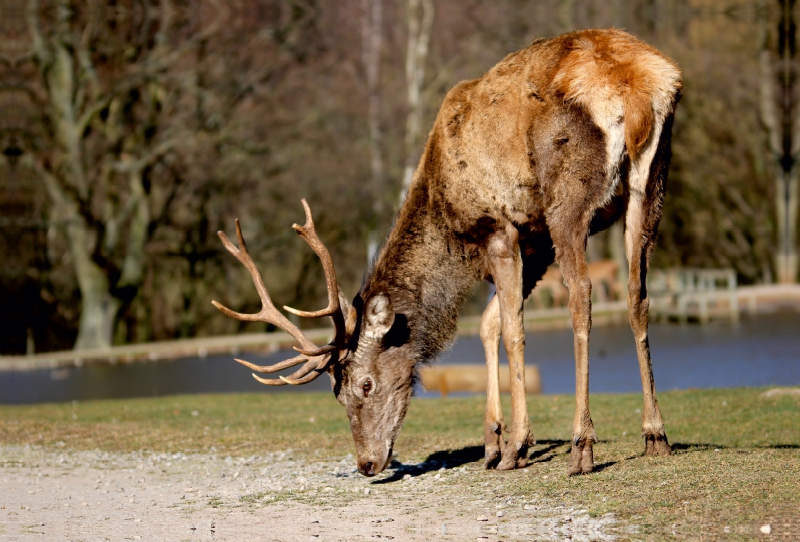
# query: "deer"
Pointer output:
{"type": "Point", "coordinates": [556, 142]}
{"type": "Point", "coordinates": [603, 275]}
{"type": "Point", "coordinates": [553, 283]}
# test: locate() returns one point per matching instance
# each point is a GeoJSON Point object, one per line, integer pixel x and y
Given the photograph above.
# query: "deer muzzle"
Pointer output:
{"type": "Point", "coordinates": [372, 463]}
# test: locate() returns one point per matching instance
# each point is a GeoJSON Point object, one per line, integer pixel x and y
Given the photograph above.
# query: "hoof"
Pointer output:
{"type": "Point", "coordinates": [515, 455]}
{"type": "Point", "coordinates": [656, 445]}
{"type": "Point", "coordinates": [507, 464]}
{"type": "Point", "coordinates": [491, 457]}
{"type": "Point", "coordinates": [492, 444]}
{"type": "Point", "coordinates": [581, 460]}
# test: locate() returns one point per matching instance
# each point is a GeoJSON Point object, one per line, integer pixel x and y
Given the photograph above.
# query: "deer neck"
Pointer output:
{"type": "Point", "coordinates": [426, 271]}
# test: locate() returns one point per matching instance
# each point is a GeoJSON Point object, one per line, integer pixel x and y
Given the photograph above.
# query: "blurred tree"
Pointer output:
{"type": "Point", "coordinates": [132, 131]}
{"type": "Point", "coordinates": [103, 93]}
{"type": "Point", "coordinates": [719, 205]}
{"type": "Point", "coordinates": [778, 77]}
{"type": "Point", "coordinates": [372, 37]}
{"type": "Point", "coordinates": [129, 97]}
{"type": "Point", "coordinates": [420, 21]}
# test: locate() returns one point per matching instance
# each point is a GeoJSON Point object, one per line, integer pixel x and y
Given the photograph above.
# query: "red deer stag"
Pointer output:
{"type": "Point", "coordinates": [554, 143]}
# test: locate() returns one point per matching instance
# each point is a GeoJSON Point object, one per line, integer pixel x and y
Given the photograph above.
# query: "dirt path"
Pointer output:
{"type": "Point", "coordinates": [55, 495]}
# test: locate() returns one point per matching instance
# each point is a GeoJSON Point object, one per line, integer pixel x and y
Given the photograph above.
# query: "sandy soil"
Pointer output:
{"type": "Point", "coordinates": [53, 495]}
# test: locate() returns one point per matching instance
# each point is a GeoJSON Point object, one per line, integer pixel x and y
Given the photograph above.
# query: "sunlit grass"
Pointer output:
{"type": "Point", "coordinates": [247, 423]}
{"type": "Point", "coordinates": [737, 453]}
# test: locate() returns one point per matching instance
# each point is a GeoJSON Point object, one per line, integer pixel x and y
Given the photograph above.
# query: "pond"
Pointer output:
{"type": "Point", "coordinates": [758, 351]}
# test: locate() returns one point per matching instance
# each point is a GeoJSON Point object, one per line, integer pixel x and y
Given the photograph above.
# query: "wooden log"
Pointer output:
{"type": "Point", "coordinates": [472, 378]}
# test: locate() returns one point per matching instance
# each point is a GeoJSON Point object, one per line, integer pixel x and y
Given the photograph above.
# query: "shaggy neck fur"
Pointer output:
{"type": "Point", "coordinates": [426, 271]}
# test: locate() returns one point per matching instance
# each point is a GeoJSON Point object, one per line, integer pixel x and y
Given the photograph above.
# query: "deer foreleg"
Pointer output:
{"type": "Point", "coordinates": [493, 421]}
{"type": "Point", "coordinates": [505, 263]}
{"type": "Point", "coordinates": [639, 241]}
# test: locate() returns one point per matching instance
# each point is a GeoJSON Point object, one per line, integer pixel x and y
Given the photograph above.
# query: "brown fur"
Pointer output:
{"type": "Point", "coordinates": [603, 65]}
{"type": "Point", "coordinates": [555, 142]}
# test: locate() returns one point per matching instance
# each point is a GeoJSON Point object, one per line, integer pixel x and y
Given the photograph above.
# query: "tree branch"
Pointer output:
{"type": "Point", "coordinates": [128, 165]}
{"type": "Point", "coordinates": [37, 41]}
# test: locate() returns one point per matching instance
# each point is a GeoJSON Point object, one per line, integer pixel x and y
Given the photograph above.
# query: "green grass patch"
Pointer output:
{"type": "Point", "coordinates": [236, 424]}
{"type": "Point", "coordinates": [736, 460]}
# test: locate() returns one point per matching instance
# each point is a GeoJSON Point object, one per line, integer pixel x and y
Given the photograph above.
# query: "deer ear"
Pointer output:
{"type": "Point", "coordinates": [378, 316]}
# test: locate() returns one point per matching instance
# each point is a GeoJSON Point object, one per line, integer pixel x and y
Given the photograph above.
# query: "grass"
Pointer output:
{"type": "Point", "coordinates": [736, 460]}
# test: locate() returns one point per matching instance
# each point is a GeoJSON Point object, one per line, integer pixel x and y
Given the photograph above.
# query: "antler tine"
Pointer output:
{"type": "Point", "coordinates": [321, 351]}
{"type": "Point", "coordinates": [306, 373]}
{"type": "Point", "coordinates": [316, 358]}
{"type": "Point", "coordinates": [269, 381]}
{"type": "Point", "coordinates": [268, 312]}
{"type": "Point", "coordinates": [286, 380]}
{"type": "Point", "coordinates": [304, 380]}
{"type": "Point", "coordinates": [298, 377]}
{"type": "Point", "coordinates": [297, 360]}
{"type": "Point", "coordinates": [309, 233]}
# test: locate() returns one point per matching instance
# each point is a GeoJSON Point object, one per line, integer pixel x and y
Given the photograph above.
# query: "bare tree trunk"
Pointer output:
{"type": "Point", "coordinates": [420, 22]}
{"type": "Point", "coordinates": [138, 224]}
{"type": "Point", "coordinates": [787, 263]}
{"type": "Point", "coordinates": [371, 45]}
{"type": "Point", "coordinates": [106, 208]}
{"type": "Point", "coordinates": [792, 262]}
{"type": "Point", "coordinates": [596, 247]}
{"type": "Point", "coordinates": [616, 249]}
{"type": "Point", "coordinates": [783, 131]}
{"type": "Point", "coordinates": [99, 311]}
{"type": "Point", "coordinates": [98, 307]}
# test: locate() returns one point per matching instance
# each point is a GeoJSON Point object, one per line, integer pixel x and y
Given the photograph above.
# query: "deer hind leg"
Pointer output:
{"type": "Point", "coordinates": [505, 264]}
{"type": "Point", "coordinates": [571, 256]}
{"type": "Point", "coordinates": [641, 221]}
{"type": "Point", "coordinates": [493, 421]}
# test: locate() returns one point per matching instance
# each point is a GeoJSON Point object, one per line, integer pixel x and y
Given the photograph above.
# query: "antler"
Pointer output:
{"type": "Point", "coordinates": [316, 358]}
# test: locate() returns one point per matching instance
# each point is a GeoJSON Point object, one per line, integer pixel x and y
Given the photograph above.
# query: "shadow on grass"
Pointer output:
{"type": "Point", "coordinates": [543, 455]}
{"type": "Point", "coordinates": [443, 459]}
{"type": "Point", "coordinates": [602, 466]}
{"type": "Point", "coordinates": [452, 459]}
{"type": "Point", "coordinates": [543, 452]}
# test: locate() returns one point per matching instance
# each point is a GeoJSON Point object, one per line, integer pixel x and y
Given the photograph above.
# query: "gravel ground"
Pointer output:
{"type": "Point", "coordinates": [54, 495]}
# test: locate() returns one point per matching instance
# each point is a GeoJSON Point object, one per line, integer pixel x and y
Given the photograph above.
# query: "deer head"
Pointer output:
{"type": "Point", "coordinates": [371, 373]}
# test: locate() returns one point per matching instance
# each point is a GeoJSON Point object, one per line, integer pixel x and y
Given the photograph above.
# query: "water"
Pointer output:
{"type": "Point", "coordinates": [758, 351]}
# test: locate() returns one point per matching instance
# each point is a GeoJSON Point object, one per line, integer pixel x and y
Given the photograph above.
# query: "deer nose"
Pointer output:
{"type": "Point", "coordinates": [367, 468]}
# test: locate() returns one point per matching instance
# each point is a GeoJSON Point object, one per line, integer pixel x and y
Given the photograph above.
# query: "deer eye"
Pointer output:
{"type": "Point", "coordinates": [367, 387]}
